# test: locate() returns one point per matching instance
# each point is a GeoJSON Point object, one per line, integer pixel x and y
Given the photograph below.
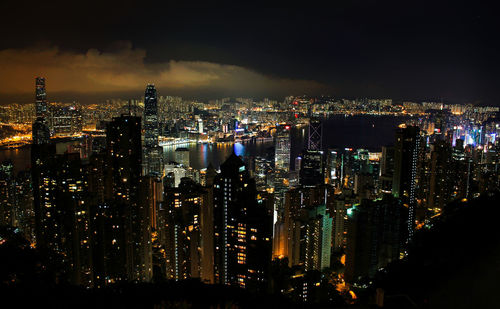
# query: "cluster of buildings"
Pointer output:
{"type": "Point", "coordinates": [120, 213]}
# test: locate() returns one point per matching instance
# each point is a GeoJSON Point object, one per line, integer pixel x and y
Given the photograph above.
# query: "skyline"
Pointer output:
{"type": "Point", "coordinates": [416, 52]}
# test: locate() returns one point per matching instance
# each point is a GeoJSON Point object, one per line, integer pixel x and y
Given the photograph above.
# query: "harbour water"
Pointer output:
{"type": "Point", "coordinates": [363, 131]}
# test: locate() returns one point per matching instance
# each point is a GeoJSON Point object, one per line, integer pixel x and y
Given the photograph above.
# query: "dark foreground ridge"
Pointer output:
{"type": "Point", "coordinates": [455, 264]}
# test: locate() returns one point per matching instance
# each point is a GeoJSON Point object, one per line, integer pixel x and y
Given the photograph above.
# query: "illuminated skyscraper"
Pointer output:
{"type": "Point", "coordinates": [184, 208]}
{"type": "Point", "coordinates": [406, 159]}
{"type": "Point", "coordinates": [127, 235]}
{"type": "Point", "coordinates": [41, 98]}
{"type": "Point", "coordinates": [7, 194]}
{"type": "Point", "coordinates": [151, 129]}
{"type": "Point", "coordinates": [153, 154]}
{"type": "Point", "coordinates": [61, 214]}
{"type": "Point", "coordinates": [41, 130]}
{"type": "Point", "coordinates": [282, 149]}
{"type": "Point", "coordinates": [242, 228]}
{"type": "Point", "coordinates": [441, 178]}
{"type": "Point", "coordinates": [312, 171]}
{"type": "Point", "coordinates": [315, 141]}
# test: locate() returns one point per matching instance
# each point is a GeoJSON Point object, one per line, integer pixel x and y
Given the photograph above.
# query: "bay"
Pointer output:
{"type": "Point", "coordinates": [362, 131]}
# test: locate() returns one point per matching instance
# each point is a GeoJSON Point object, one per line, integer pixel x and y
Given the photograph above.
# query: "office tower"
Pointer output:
{"type": "Point", "coordinates": [311, 171]}
{"type": "Point", "coordinates": [315, 141]}
{"type": "Point", "coordinates": [406, 159]}
{"type": "Point", "coordinates": [242, 228]}
{"type": "Point", "coordinates": [127, 235]}
{"type": "Point", "coordinates": [151, 128]}
{"type": "Point", "coordinates": [264, 175]}
{"type": "Point", "coordinates": [40, 131]}
{"type": "Point", "coordinates": [376, 230]}
{"type": "Point", "coordinates": [281, 183]}
{"type": "Point", "coordinates": [41, 107]}
{"type": "Point", "coordinates": [66, 120]}
{"type": "Point", "coordinates": [184, 208]}
{"type": "Point", "coordinates": [282, 149]}
{"type": "Point", "coordinates": [153, 154]}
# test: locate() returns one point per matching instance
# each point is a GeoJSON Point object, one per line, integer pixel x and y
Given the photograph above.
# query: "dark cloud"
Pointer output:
{"type": "Point", "coordinates": [400, 49]}
{"type": "Point", "coordinates": [124, 71]}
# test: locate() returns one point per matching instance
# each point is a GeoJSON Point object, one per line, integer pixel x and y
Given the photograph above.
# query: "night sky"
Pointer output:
{"type": "Point", "coordinates": [88, 51]}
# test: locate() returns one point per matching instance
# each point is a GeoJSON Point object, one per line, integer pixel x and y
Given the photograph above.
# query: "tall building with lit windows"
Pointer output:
{"type": "Point", "coordinates": [41, 129]}
{"type": "Point", "coordinates": [151, 128]}
{"type": "Point", "coordinates": [184, 209]}
{"type": "Point", "coordinates": [242, 228]}
{"type": "Point", "coordinates": [282, 149]}
{"type": "Point", "coordinates": [126, 238]}
{"type": "Point", "coordinates": [153, 154]}
{"type": "Point", "coordinates": [315, 140]}
{"type": "Point", "coordinates": [61, 214]}
{"type": "Point", "coordinates": [41, 106]}
{"type": "Point", "coordinates": [405, 178]}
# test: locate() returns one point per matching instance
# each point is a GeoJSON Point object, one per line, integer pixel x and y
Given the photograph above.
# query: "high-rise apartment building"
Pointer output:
{"type": "Point", "coordinates": [183, 212]}
{"type": "Point", "coordinates": [405, 179]}
{"type": "Point", "coordinates": [242, 228]}
{"type": "Point", "coordinates": [127, 235]}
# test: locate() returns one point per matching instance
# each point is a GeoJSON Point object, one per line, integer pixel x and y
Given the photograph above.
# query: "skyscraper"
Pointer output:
{"type": "Point", "coordinates": [153, 154]}
{"type": "Point", "coordinates": [315, 141]}
{"type": "Point", "coordinates": [151, 128]}
{"type": "Point", "coordinates": [127, 238]}
{"type": "Point", "coordinates": [375, 232]}
{"type": "Point", "coordinates": [41, 130]}
{"type": "Point", "coordinates": [184, 208]}
{"type": "Point", "coordinates": [317, 236]}
{"type": "Point", "coordinates": [61, 214]}
{"type": "Point", "coordinates": [41, 98]}
{"type": "Point", "coordinates": [242, 228]}
{"type": "Point", "coordinates": [441, 178]}
{"type": "Point", "coordinates": [282, 149]}
{"type": "Point", "coordinates": [386, 169]}
{"type": "Point", "coordinates": [406, 159]}
{"type": "Point", "coordinates": [312, 171]}
{"type": "Point", "coordinates": [8, 214]}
